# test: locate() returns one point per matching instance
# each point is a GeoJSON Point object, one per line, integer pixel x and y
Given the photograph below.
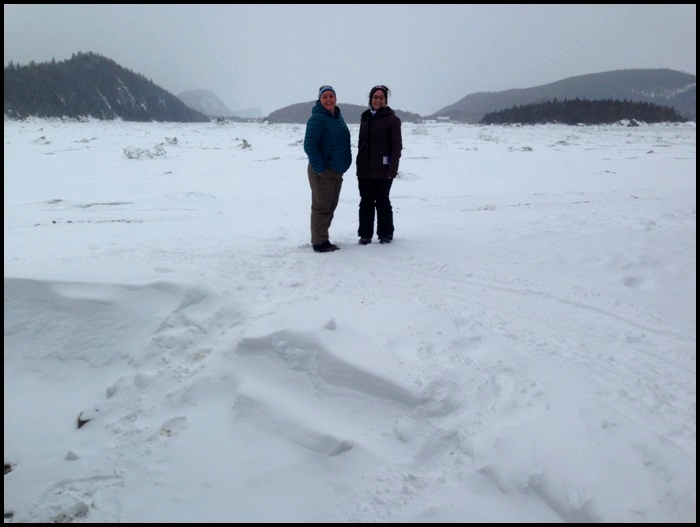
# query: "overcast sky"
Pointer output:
{"type": "Point", "coordinates": [271, 56]}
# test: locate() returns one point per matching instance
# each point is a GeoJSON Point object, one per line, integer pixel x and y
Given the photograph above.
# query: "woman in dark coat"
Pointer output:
{"type": "Point", "coordinates": [379, 150]}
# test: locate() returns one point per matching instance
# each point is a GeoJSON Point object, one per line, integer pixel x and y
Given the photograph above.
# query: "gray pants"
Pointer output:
{"type": "Point", "coordinates": [325, 192]}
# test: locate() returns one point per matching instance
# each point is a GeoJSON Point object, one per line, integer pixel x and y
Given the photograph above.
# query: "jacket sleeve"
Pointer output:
{"type": "Point", "coordinates": [396, 147]}
{"type": "Point", "coordinates": [312, 142]}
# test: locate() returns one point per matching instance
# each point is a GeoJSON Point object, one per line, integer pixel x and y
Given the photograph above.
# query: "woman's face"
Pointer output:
{"type": "Point", "coordinates": [378, 100]}
{"type": "Point", "coordinates": [328, 100]}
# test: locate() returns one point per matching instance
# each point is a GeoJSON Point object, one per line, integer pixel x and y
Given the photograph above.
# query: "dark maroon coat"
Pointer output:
{"type": "Point", "coordinates": [379, 144]}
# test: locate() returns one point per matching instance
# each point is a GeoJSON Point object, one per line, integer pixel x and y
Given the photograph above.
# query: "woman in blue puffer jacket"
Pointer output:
{"type": "Point", "coordinates": [327, 144]}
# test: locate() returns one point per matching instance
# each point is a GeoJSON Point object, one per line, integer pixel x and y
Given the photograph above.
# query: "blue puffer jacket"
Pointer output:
{"type": "Point", "coordinates": [327, 140]}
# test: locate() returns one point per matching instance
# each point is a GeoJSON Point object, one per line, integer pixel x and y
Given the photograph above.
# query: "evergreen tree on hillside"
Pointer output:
{"type": "Point", "coordinates": [89, 85]}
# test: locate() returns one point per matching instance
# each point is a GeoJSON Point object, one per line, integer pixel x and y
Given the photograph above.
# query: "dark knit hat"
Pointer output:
{"type": "Point", "coordinates": [325, 87]}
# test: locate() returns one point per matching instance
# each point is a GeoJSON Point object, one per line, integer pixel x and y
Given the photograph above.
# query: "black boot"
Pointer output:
{"type": "Point", "coordinates": [325, 247]}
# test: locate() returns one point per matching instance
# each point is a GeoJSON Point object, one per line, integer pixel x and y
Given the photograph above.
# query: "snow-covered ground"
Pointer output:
{"type": "Point", "coordinates": [175, 351]}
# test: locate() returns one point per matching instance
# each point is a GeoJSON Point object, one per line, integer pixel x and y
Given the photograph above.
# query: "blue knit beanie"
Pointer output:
{"type": "Point", "coordinates": [325, 87]}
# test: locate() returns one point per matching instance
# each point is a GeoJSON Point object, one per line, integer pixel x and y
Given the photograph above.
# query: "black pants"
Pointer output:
{"type": "Point", "coordinates": [374, 194]}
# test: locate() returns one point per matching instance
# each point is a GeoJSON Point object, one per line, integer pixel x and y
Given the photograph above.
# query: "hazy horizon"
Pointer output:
{"type": "Point", "coordinates": [271, 56]}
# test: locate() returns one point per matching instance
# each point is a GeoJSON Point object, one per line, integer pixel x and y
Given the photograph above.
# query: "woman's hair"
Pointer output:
{"type": "Point", "coordinates": [378, 87]}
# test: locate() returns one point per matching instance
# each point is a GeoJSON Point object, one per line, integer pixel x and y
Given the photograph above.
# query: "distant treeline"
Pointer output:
{"type": "Point", "coordinates": [583, 111]}
{"type": "Point", "coordinates": [89, 85]}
